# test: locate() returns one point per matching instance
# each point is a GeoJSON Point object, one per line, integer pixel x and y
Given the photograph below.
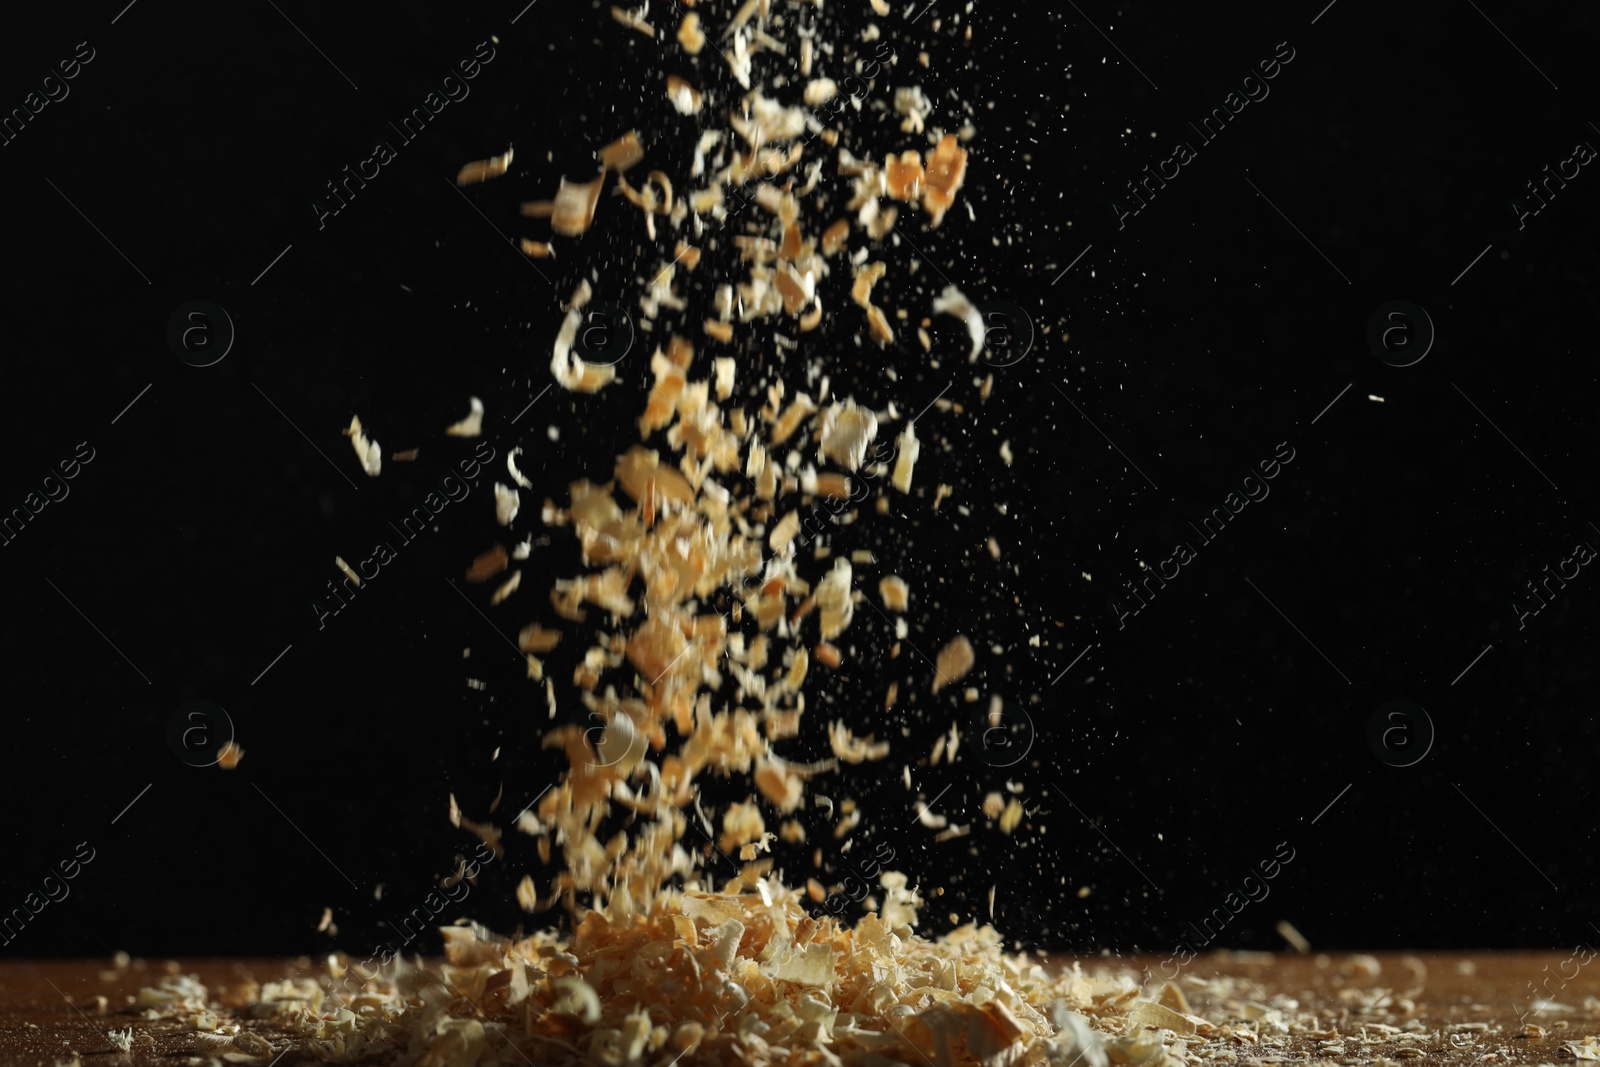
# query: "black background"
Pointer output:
{"type": "Point", "coordinates": [1170, 755]}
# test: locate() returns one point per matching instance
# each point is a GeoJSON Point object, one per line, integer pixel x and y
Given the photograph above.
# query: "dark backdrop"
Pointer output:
{"type": "Point", "coordinates": [1166, 752]}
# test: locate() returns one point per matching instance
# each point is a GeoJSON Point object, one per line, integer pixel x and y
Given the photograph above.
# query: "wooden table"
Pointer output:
{"type": "Point", "coordinates": [1462, 1008]}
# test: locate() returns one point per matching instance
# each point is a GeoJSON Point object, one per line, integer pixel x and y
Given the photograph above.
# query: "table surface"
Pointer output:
{"type": "Point", "coordinates": [1459, 1008]}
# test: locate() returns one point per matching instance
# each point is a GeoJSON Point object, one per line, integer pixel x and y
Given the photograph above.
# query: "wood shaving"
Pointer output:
{"type": "Point", "coordinates": [367, 452]}
{"type": "Point", "coordinates": [833, 599]}
{"type": "Point", "coordinates": [507, 502]}
{"type": "Point", "coordinates": [634, 19]}
{"type": "Point", "coordinates": [489, 834]}
{"type": "Point", "coordinates": [685, 98]}
{"type": "Point", "coordinates": [690, 36]}
{"type": "Point", "coordinates": [953, 663]}
{"type": "Point", "coordinates": [946, 170]}
{"type": "Point", "coordinates": [835, 236]}
{"type": "Point", "coordinates": [488, 564]}
{"type": "Point", "coordinates": [338, 561]}
{"type": "Point", "coordinates": [954, 302]}
{"type": "Point", "coordinates": [484, 169]}
{"type": "Point", "coordinates": [511, 469]}
{"type": "Point", "coordinates": [907, 450]}
{"type": "Point", "coordinates": [903, 175]}
{"type": "Point", "coordinates": [1295, 938]}
{"type": "Point", "coordinates": [847, 431]}
{"type": "Point", "coordinates": [741, 17]}
{"type": "Point", "coordinates": [819, 91]}
{"type": "Point", "coordinates": [622, 153]}
{"type": "Point", "coordinates": [535, 638]}
{"type": "Point", "coordinates": [472, 425]}
{"type": "Point", "coordinates": [506, 589]}
{"type": "Point", "coordinates": [861, 293]}
{"type": "Point", "coordinates": [566, 366]}
{"type": "Point", "coordinates": [572, 211]}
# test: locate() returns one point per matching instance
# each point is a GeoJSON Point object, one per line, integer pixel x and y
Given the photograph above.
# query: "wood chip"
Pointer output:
{"type": "Point", "coordinates": [861, 292]}
{"type": "Point", "coordinates": [684, 97]}
{"type": "Point", "coordinates": [622, 153]}
{"type": "Point", "coordinates": [338, 561]}
{"type": "Point", "coordinates": [634, 20]}
{"type": "Point", "coordinates": [1011, 817]}
{"type": "Point", "coordinates": [507, 502]}
{"type": "Point", "coordinates": [953, 663]}
{"type": "Point", "coordinates": [368, 452]}
{"type": "Point", "coordinates": [907, 449]}
{"type": "Point", "coordinates": [835, 236]}
{"type": "Point", "coordinates": [1295, 938]}
{"type": "Point", "coordinates": [508, 587]}
{"type": "Point", "coordinates": [488, 564]}
{"type": "Point", "coordinates": [484, 169]}
{"type": "Point", "coordinates": [472, 425]}
{"type": "Point", "coordinates": [573, 209]}
{"type": "Point", "coordinates": [690, 36]}
{"type": "Point", "coordinates": [946, 170]}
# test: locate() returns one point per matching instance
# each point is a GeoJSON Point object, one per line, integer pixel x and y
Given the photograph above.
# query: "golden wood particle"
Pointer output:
{"type": "Point", "coordinates": [622, 153]}
{"type": "Point", "coordinates": [488, 564]}
{"type": "Point", "coordinates": [690, 36]}
{"type": "Point", "coordinates": [946, 170]}
{"type": "Point", "coordinates": [484, 169]}
{"type": "Point", "coordinates": [573, 210]}
{"type": "Point", "coordinates": [953, 663]}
